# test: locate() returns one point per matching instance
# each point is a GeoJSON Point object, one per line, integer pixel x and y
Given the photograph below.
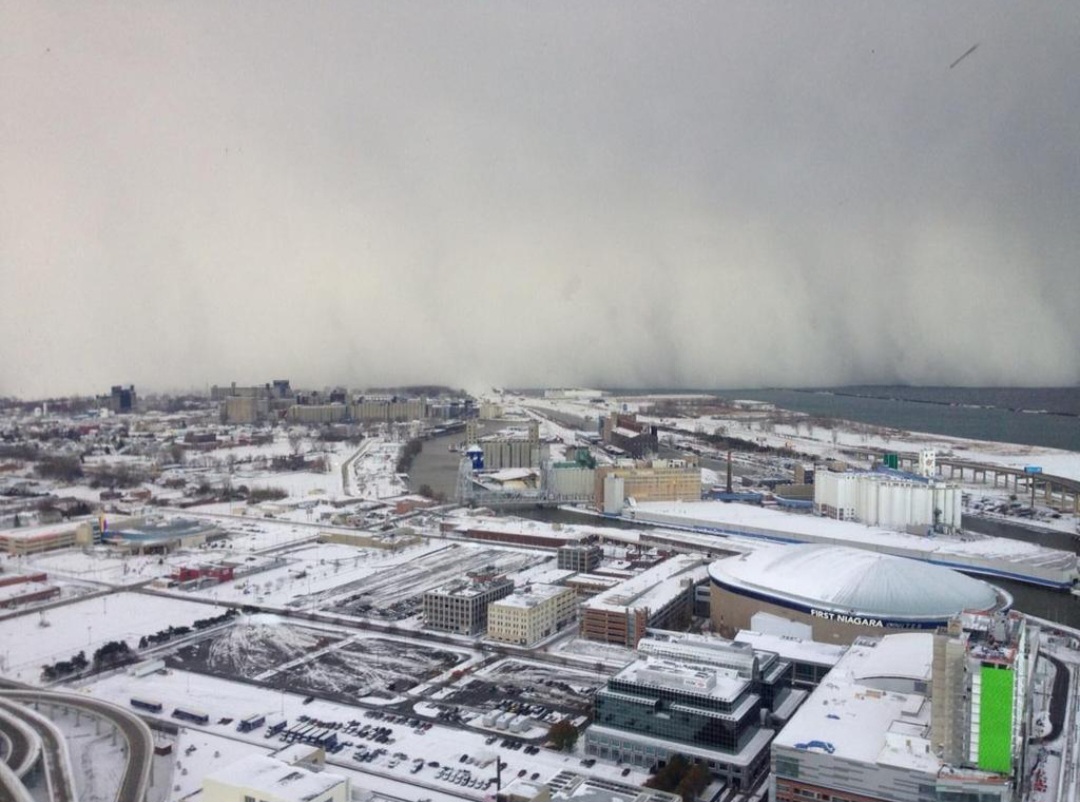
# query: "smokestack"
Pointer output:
{"type": "Point", "coordinates": [729, 472]}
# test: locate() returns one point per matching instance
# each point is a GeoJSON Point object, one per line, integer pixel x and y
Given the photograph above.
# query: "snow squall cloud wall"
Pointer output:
{"type": "Point", "coordinates": [732, 195]}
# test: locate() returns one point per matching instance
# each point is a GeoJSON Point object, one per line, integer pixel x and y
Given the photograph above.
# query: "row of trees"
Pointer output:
{"type": "Point", "coordinates": [65, 668]}
{"type": "Point", "coordinates": [682, 777]}
{"type": "Point", "coordinates": [167, 634]}
{"type": "Point", "coordinates": [730, 443]}
{"type": "Point", "coordinates": [427, 491]}
{"type": "Point", "coordinates": [113, 653]}
{"type": "Point", "coordinates": [563, 735]}
{"type": "Point", "coordinates": [408, 454]}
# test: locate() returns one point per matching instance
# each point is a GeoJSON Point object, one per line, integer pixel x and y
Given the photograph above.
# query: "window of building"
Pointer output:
{"type": "Point", "coordinates": [787, 767]}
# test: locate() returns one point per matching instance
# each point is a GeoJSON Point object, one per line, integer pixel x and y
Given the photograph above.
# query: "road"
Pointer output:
{"type": "Point", "coordinates": [136, 779]}
{"type": "Point", "coordinates": [58, 777]}
{"type": "Point", "coordinates": [19, 746]}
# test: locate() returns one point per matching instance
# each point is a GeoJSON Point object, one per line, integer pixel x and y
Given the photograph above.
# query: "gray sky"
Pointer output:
{"type": "Point", "coordinates": [694, 194]}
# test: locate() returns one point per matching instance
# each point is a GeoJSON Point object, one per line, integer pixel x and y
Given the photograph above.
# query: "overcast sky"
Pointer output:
{"type": "Point", "coordinates": [672, 194]}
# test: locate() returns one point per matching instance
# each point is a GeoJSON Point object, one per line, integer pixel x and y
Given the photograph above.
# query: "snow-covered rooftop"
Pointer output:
{"type": "Point", "coordinates": [849, 580]}
{"type": "Point", "coordinates": [537, 594]}
{"type": "Point", "coordinates": [763, 522]}
{"type": "Point", "coordinates": [275, 778]}
{"type": "Point", "coordinates": [655, 587]}
{"type": "Point", "coordinates": [792, 648]}
{"type": "Point", "coordinates": [713, 681]}
{"type": "Point", "coordinates": [864, 724]}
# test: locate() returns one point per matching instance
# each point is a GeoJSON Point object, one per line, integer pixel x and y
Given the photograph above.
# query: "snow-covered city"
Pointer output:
{"type": "Point", "coordinates": [539, 401]}
{"type": "Point", "coordinates": [461, 597]}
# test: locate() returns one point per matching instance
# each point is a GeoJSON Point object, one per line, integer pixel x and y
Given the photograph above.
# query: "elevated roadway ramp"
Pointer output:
{"type": "Point", "coordinates": [140, 743]}
{"type": "Point", "coordinates": [55, 760]}
{"type": "Point", "coordinates": [22, 743]}
{"type": "Point", "coordinates": [11, 787]}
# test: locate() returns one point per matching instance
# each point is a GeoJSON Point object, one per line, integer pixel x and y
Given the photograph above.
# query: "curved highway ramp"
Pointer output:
{"type": "Point", "coordinates": [29, 736]}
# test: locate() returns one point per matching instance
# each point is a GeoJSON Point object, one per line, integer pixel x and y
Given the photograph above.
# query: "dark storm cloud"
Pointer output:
{"type": "Point", "coordinates": [713, 194]}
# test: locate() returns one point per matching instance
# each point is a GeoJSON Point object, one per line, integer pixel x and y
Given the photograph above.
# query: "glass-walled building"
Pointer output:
{"type": "Point", "coordinates": [709, 699]}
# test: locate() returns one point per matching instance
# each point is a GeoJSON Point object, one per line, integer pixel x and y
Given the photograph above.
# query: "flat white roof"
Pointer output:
{"type": "Point", "coordinates": [713, 681]}
{"type": "Point", "coordinates": [533, 597]}
{"type": "Point", "coordinates": [907, 654]}
{"type": "Point", "coordinates": [792, 648]}
{"type": "Point", "coordinates": [8, 592]}
{"type": "Point", "coordinates": [864, 724]}
{"type": "Point", "coordinates": [766, 522]}
{"type": "Point", "coordinates": [653, 588]}
{"type": "Point", "coordinates": [262, 773]}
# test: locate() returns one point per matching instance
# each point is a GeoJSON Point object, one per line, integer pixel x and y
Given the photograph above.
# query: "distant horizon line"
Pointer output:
{"type": "Point", "coordinates": [203, 390]}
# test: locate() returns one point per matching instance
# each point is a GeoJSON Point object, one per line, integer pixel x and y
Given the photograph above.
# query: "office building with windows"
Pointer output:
{"type": "Point", "coordinates": [583, 558]}
{"type": "Point", "coordinates": [461, 606]}
{"type": "Point", "coordinates": [709, 699]}
{"type": "Point", "coordinates": [528, 616]}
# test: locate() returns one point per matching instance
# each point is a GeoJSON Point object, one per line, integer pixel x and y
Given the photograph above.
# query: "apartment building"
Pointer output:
{"type": "Point", "coordinates": [530, 615]}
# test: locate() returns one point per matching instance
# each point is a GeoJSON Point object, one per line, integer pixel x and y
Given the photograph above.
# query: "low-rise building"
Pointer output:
{"type": "Point", "coordinates": [528, 616]}
{"type": "Point", "coordinates": [659, 597]}
{"type": "Point", "coordinates": [268, 779]}
{"type": "Point", "coordinates": [584, 558]}
{"type": "Point", "coordinates": [395, 540]}
{"type": "Point", "coordinates": [568, 785]}
{"type": "Point", "coordinates": [461, 606]}
{"type": "Point", "coordinates": [19, 589]}
{"type": "Point", "coordinates": [32, 540]}
{"type": "Point", "coordinates": [810, 660]}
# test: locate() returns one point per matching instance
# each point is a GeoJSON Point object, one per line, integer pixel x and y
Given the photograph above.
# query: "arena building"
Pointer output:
{"type": "Point", "coordinates": [841, 593]}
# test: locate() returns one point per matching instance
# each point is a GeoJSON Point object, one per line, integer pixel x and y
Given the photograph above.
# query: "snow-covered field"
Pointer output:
{"type": "Point", "coordinates": [327, 661]}
{"type": "Point", "coordinates": [372, 473]}
{"type": "Point", "coordinates": [830, 441]}
{"type": "Point", "coordinates": [86, 625]}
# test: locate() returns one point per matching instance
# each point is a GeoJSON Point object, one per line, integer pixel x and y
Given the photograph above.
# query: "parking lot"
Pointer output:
{"type": "Point", "coordinates": [538, 691]}
{"type": "Point", "coordinates": [326, 663]}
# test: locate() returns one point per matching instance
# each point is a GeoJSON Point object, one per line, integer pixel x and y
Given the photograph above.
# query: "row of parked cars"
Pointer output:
{"type": "Point", "coordinates": [394, 718]}
{"type": "Point", "coordinates": [464, 778]}
{"type": "Point", "coordinates": [513, 743]}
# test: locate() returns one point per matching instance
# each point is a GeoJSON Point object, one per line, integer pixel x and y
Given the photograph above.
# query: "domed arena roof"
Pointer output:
{"type": "Point", "coordinates": [855, 581]}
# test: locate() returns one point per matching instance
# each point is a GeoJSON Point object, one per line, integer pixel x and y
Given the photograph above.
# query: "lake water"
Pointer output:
{"type": "Point", "coordinates": [1038, 416]}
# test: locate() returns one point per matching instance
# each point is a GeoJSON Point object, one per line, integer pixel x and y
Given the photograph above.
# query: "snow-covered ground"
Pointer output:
{"type": "Point", "coordinates": [218, 744]}
{"type": "Point", "coordinates": [1052, 765]}
{"type": "Point", "coordinates": [831, 441]}
{"type": "Point", "coordinates": [797, 432]}
{"type": "Point", "coordinates": [86, 625]}
{"type": "Point", "coordinates": [372, 473]}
